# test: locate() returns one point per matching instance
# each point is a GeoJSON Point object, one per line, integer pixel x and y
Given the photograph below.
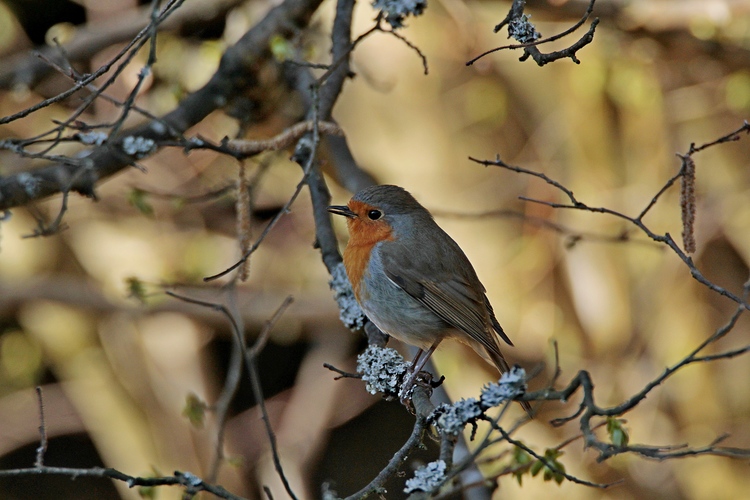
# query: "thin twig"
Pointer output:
{"type": "Point", "coordinates": [190, 481]}
{"type": "Point", "coordinates": [500, 163]}
{"type": "Point", "coordinates": [516, 11]}
{"type": "Point", "coordinates": [411, 46]}
{"type": "Point", "coordinates": [245, 147]}
{"type": "Point", "coordinates": [231, 384]}
{"type": "Point", "coordinates": [271, 224]}
{"type": "Point", "coordinates": [573, 236]}
{"type": "Point", "coordinates": [239, 65]}
{"type": "Point", "coordinates": [666, 238]}
{"type": "Point", "coordinates": [588, 409]}
{"type": "Point", "coordinates": [135, 42]}
{"type": "Point", "coordinates": [56, 226]}
{"type": "Point", "coordinates": [42, 449]}
{"type": "Point", "coordinates": [730, 137]}
{"type": "Point", "coordinates": [267, 491]}
{"type": "Point", "coordinates": [342, 373]}
{"type": "Point", "coordinates": [550, 465]}
{"type": "Point", "coordinates": [376, 485]}
{"type": "Point", "coordinates": [146, 70]}
{"type": "Point", "coordinates": [251, 360]}
{"type": "Point", "coordinates": [250, 357]}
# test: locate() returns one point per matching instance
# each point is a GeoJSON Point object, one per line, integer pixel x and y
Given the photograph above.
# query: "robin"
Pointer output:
{"type": "Point", "coordinates": [413, 281]}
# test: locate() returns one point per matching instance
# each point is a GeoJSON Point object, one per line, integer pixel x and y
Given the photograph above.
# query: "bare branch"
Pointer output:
{"type": "Point", "coordinates": [283, 140]}
{"type": "Point", "coordinates": [233, 76]}
{"type": "Point", "coordinates": [521, 29]}
{"type": "Point", "coordinates": [573, 236]}
{"type": "Point", "coordinates": [550, 465]}
{"type": "Point", "coordinates": [250, 356]}
{"type": "Point", "coordinates": [30, 67]}
{"type": "Point", "coordinates": [500, 163]}
{"type": "Point", "coordinates": [251, 360]}
{"type": "Point", "coordinates": [665, 239]}
{"type": "Point", "coordinates": [192, 483]}
{"type": "Point", "coordinates": [42, 449]}
{"type": "Point", "coordinates": [342, 373]}
{"type": "Point", "coordinates": [376, 485]}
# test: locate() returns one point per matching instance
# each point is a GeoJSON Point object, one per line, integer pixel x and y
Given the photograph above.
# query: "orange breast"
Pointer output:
{"type": "Point", "coordinates": [364, 234]}
{"type": "Point", "coordinates": [356, 259]}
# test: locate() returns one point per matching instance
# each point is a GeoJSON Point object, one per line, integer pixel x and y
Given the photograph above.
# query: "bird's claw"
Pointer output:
{"type": "Point", "coordinates": [436, 383]}
{"type": "Point", "coordinates": [423, 379]}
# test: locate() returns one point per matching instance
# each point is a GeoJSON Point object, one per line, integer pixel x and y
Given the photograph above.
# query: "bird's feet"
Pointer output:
{"type": "Point", "coordinates": [414, 379]}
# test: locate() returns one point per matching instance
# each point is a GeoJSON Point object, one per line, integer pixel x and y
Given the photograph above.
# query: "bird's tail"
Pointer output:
{"type": "Point", "coordinates": [497, 359]}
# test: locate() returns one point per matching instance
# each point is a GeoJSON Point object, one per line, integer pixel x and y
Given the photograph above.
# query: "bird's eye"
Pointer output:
{"type": "Point", "coordinates": [374, 214]}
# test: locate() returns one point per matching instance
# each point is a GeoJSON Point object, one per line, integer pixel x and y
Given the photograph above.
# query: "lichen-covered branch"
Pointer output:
{"type": "Point", "coordinates": [521, 29]}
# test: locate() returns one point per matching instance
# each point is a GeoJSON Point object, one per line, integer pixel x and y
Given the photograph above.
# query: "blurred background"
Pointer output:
{"type": "Point", "coordinates": [83, 313]}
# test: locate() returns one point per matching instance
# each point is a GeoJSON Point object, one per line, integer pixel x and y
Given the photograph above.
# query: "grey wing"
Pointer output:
{"type": "Point", "coordinates": [451, 297]}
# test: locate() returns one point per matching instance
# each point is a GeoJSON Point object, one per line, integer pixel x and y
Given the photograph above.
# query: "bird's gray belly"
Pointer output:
{"type": "Point", "coordinates": [399, 314]}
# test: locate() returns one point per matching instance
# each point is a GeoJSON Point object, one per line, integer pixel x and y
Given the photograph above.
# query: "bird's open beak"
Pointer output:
{"type": "Point", "coordinates": [342, 210]}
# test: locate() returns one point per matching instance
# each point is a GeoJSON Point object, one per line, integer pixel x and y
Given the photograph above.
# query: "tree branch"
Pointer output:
{"type": "Point", "coordinates": [235, 74]}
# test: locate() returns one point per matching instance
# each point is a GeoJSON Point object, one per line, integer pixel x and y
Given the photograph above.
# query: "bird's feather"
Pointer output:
{"type": "Point", "coordinates": [457, 298]}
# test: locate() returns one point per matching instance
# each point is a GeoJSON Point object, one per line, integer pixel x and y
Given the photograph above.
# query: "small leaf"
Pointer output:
{"type": "Point", "coordinates": [559, 478]}
{"type": "Point", "coordinates": [521, 459]}
{"type": "Point", "coordinates": [281, 48]}
{"type": "Point", "coordinates": [179, 202]}
{"type": "Point", "coordinates": [618, 434]}
{"type": "Point", "coordinates": [139, 199]}
{"type": "Point", "coordinates": [195, 410]}
{"type": "Point", "coordinates": [555, 470]}
{"type": "Point", "coordinates": [520, 456]}
{"type": "Point", "coordinates": [536, 467]}
{"type": "Point", "coordinates": [556, 474]}
{"type": "Point", "coordinates": [136, 289]}
{"type": "Point", "coordinates": [147, 492]}
{"type": "Point", "coordinates": [236, 462]}
{"type": "Point", "coordinates": [547, 474]}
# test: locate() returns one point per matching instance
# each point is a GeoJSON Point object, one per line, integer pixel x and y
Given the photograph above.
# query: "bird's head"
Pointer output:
{"type": "Point", "coordinates": [377, 213]}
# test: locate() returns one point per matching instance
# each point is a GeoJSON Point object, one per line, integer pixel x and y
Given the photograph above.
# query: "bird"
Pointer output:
{"type": "Point", "coordinates": [413, 281]}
